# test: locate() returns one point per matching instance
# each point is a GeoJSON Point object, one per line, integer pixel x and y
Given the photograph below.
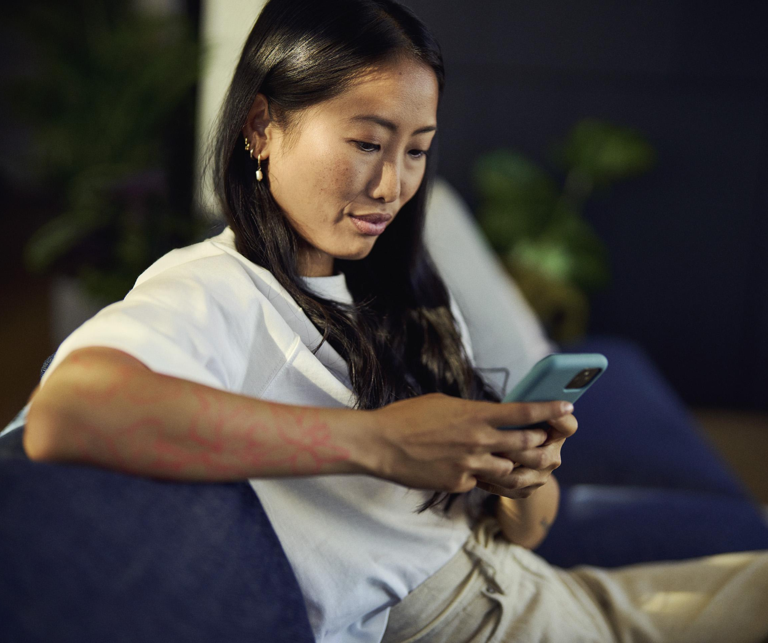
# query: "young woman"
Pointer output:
{"type": "Point", "coordinates": [313, 349]}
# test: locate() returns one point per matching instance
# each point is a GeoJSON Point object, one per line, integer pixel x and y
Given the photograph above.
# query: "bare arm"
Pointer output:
{"type": "Point", "coordinates": [526, 521]}
{"type": "Point", "coordinates": [104, 407]}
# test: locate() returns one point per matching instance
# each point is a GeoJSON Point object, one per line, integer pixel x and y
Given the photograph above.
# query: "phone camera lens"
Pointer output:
{"type": "Point", "coordinates": [583, 378]}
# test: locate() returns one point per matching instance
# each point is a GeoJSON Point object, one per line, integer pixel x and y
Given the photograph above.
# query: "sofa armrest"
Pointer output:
{"type": "Point", "coordinates": [94, 555]}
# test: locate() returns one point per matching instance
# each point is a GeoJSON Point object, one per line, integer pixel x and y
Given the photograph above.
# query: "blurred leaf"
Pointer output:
{"type": "Point", "coordinates": [602, 152]}
{"type": "Point", "coordinates": [107, 95]}
{"type": "Point", "coordinates": [547, 256]}
{"type": "Point", "coordinates": [108, 85]}
{"type": "Point", "coordinates": [106, 286]}
{"type": "Point", "coordinates": [54, 239]}
{"type": "Point", "coordinates": [502, 225]}
{"type": "Point", "coordinates": [588, 257]}
{"type": "Point", "coordinates": [518, 197]}
{"type": "Point", "coordinates": [537, 228]}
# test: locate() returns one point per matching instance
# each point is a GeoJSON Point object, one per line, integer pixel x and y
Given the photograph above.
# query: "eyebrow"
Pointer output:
{"type": "Point", "coordinates": [389, 124]}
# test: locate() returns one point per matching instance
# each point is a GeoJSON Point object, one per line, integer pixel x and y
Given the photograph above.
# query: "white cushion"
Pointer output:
{"type": "Point", "coordinates": [505, 332]}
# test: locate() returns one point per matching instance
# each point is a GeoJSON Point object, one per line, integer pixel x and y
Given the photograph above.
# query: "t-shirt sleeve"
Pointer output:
{"type": "Point", "coordinates": [189, 321]}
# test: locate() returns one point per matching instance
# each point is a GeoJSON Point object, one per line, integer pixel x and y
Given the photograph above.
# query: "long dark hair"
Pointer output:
{"type": "Point", "coordinates": [400, 339]}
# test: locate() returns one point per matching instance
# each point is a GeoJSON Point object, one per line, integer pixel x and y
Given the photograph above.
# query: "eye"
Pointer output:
{"type": "Point", "coordinates": [415, 154]}
{"type": "Point", "coordinates": [361, 143]}
{"type": "Point", "coordinates": [421, 153]}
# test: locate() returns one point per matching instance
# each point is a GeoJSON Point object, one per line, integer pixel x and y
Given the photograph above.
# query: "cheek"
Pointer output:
{"type": "Point", "coordinates": [343, 179]}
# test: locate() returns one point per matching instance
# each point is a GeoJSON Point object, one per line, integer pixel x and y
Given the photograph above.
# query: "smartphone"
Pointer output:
{"type": "Point", "coordinates": [560, 376]}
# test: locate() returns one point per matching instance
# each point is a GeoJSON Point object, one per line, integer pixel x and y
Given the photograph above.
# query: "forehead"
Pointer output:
{"type": "Point", "coordinates": [405, 91]}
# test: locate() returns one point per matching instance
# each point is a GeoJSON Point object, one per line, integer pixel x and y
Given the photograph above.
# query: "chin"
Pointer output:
{"type": "Point", "coordinates": [362, 253]}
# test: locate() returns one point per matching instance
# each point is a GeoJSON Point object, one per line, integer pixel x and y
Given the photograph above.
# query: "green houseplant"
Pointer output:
{"type": "Point", "coordinates": [534, 222]}
{"type": "Point", "coordinates": [110, 104]}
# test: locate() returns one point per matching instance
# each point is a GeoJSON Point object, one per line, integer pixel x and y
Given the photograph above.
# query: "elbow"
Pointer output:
{"type": "Point", "coordinates": [520, 527]}
{"type": "Point", "coordinates": [40, 429]}
{"type": "Point", "coordinates": [533, 542]}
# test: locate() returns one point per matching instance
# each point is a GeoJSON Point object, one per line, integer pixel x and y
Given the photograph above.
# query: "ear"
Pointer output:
{"type": "Point", "coordinates": [259, 128]}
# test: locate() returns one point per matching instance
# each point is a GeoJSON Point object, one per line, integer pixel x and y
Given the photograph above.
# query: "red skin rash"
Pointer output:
{"type": "Point", "coordinates": [218, 437]}
{"type": "Point", "coordinates": [311, 448]}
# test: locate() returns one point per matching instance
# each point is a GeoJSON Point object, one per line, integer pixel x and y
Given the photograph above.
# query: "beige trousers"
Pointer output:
{"type": "Point", "coordinates": [493, 591]}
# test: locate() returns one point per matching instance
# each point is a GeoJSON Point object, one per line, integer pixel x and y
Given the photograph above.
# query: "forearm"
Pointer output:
{"type": "Point", "coordinates": [526, 521]}
{"type": "Point", "coordinates": [111, 411]}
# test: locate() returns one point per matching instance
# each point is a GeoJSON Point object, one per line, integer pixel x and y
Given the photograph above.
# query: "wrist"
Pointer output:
{"type": "Point", "coordinates": [357, 431]}
{"type": "Point", "coordinates": [526, 521]}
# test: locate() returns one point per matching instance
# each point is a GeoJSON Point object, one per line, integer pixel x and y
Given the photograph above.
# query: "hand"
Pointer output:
{"type": "Point", "coordinates": [446, 443]}
{"type": "Point", "coordinates": [533, 466]}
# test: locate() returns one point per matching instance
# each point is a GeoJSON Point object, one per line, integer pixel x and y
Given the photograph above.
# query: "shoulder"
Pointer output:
{"type": "Point", "coordinates": [210, 273]}
{"type": "Point", "coordinates": [209, 260]}
{"type": "Point", "coordinates": [198, 313]}
{"type": "Point", "coordinates": [195, 313]}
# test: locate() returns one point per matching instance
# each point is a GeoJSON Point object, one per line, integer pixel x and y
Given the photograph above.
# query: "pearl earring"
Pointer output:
{"type": "Point", "coordinates": [259, 174]}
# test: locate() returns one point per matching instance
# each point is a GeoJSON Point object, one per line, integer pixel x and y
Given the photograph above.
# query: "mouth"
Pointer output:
{"type": "Point", "coordinates": [376, 217]}
{"type": "Point", "coordinates": [371, 224]}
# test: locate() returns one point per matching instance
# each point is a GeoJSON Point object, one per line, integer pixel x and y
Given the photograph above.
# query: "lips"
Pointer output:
{"type": "Point", "coordinates": [376, 217]}
{"type": "Point", "coordinates": [371, 224]}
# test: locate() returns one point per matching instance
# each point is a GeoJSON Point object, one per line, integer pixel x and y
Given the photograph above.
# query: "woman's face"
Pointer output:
{"type": "Point", "coordinates": [360, 153]}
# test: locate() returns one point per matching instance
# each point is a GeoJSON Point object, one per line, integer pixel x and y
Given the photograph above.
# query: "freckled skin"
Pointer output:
{"type": "Point", "coordinates": [326, 174]}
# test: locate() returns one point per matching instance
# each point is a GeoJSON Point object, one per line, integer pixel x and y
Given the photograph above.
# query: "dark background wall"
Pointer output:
{"type": "Point", "coordinates": [689, 240]}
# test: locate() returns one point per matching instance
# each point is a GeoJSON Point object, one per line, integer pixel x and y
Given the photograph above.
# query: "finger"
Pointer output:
{"type": "Point", "coordinates": [492, 467]}
{"type": "Point", "coordinates": [522, 492]}
{"type": "Point", "coordinates": [492, 488]}
{"type": "Point", "coordinates": [545, 458]}
{"type": "Point", "coordinates": [520, 478]}
{"type": "Point", "coordinates": [524, 413]}
{"type": "Point", "coordinates": [518, 440]}
{"type": "Point", "coordinates": [566, 425]}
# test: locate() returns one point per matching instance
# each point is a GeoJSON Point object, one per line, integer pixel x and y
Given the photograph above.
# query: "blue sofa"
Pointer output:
{"type": "Point", "coordinates": [91, 555]}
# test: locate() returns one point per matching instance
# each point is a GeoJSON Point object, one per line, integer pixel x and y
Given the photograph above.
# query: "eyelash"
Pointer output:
{"type": "Point", "coordinates": [424, 153]}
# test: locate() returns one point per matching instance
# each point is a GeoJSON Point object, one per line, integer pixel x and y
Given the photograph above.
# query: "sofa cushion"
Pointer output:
{"type": "Point", "coordinates": [635, 431]}
{"type": "Point", "coordinates": [614, 526]}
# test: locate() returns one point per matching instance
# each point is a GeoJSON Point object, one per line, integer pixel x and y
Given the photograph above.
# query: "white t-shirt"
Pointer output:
{"type": "Point", "coordinates": [207, 314]}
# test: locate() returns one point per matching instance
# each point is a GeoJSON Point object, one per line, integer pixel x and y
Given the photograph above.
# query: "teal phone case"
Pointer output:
{"type": "Point", "coordinates": [549, 378]}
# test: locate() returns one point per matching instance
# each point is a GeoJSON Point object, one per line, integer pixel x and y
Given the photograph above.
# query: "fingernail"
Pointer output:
{"type": "Point", "coordinates": [567, 407]}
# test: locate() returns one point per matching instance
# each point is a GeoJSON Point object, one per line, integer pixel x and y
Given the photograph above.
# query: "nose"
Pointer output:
{"type": "Point", "coordinates": [387, 188]}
